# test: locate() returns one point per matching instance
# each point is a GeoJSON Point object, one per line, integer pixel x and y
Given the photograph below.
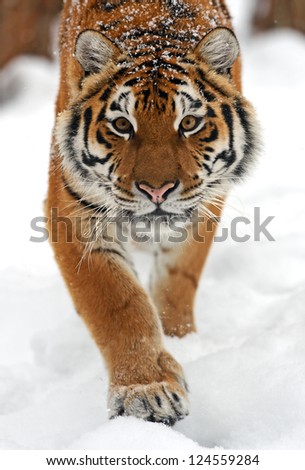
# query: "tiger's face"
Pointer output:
{"type": "Point", "coordinates": [156, 137]}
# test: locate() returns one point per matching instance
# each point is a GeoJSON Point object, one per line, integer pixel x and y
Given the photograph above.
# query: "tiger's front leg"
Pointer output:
{"type": "Point", "coordinates": [176, 274]}
{"type": "Point", "coordinates": [145, 381]}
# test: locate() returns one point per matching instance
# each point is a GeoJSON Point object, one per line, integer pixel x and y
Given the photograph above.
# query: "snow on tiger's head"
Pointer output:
{"type": "Point", "coordinates": [156, 134]}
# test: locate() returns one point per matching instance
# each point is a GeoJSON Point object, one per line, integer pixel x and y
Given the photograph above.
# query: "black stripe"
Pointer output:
{"type": "Point", "coordinates": [133, 81]}
{"type": "Point", "coordinates": [243, 116]}
{"type": "Point", "coordinates": [69, 139]}
{"type": "Point", "coordinates": [211, 113]}
{"type": "Point", "coordinates": [106, 93]}
{"type": "Point", "coordinates": [109, 132]}
{"type": "Point", "coordinates": [91, 93]}
{"type": "Point", "coordinates": [115, 107]}
{"type": "Point", "coordinates": [120, 198]}
{"type": "Point", "coordinates": [139, 33]}
{"type": "Point", "coordinates": [119, 74]}
{"type": "Point", "coordinates": [126, 191]}
{"type": "Point", "coordinates": [73, 129]}
{"type": "Point", "coordinates": [209, 82]}
{"type": "Point", "coordinates": [91, 160]}
{"type": "Point", "coordinates": [230, 155]}
{"type": "Point", "coordinates": [187, 61]}
{"type": "Point", "coordinates": [226, 157]}
{"type": "Point", "coordinates": [102, 140]}
{"type": "Point", "coordinates": [84, 202]}
{"type": "Point", "coordinates": [191, 188]}
{"type": "Point", "coordinates": [176, 81]}
{"type": "Point", "coordinates": [110, 171]}
{"type": "Point", "coordinates": [110, 25]}
{"type": "Point", "coordinates": [84, 173]}
{"type": "Point", "coordinates": [157, 46]}
{"type": "Point", "coordinates": [109, 6]}
{"type": "Point", "coordinates": [87, 119]}
{"type": "Point", "coordinates": [206, 94]}
{"type": "Point", "coordinates": [101, 115]}
{"type": "Point", "coordinates": [110, 251]}
{"type": "Point", "coordinates": [146, 64]}
{"type": "Point", "coordinates": [213, 136]}
{"type": "Point", "coordinates": [241, 168]}
{"type": "Point", "coordinates": [189, 198]}
{"type": "Point", "coordinates": [123, 95]}
{"type": "Point", "coordinates": [146, 94]}
{"type": "Point", "coordinates": [208, 169]}
{"type": "Point", "coordinates": [171, 66]}
{"type": "Point", "coordinates": [87, 157]}
{"type": "Point", "coordinates": [209, 96]}
{"type": "Point", "coordinates": [195, 104]}
{"type": "Point", "coordinates": [169, 54]}
{"type": "Point", "coordinates": [180, 10]}
{"type": "Point", "coordinates": [228, 117]}
{"type": "Point", "coordinates": [163, 94]}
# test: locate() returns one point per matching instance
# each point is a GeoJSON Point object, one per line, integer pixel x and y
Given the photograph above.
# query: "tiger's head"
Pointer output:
{"type": "Point", "coordinates": [154, 136]}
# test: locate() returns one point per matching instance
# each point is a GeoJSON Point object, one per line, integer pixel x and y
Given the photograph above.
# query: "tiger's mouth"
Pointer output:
{"type": "Point", "coordinates": [166, 217]}
{"type": "Point", "coordinates": [159, 212]}
{"type": "Point", "coordinates": [162, 216]}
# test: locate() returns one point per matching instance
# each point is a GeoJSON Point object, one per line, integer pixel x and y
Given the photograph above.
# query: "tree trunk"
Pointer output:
{"type": "Point", "coordinates": [25, 27]}
{"type": "Point", "coordinates": [280, 13]}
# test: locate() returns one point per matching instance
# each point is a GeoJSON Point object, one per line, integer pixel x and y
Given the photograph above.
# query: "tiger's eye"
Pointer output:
{"type": "Point", "coordinates": [189, 123]}
{"type": "Point", "coordinates": [122, 125]}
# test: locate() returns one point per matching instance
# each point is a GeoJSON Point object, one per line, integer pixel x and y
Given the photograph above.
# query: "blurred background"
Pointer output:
{"type": "Point", "coordinates": [245, 366]}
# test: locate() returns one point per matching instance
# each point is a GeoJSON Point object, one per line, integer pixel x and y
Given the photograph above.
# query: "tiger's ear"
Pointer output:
{"type": "Point", "coordinates": [219, 49]}
{"type": "Point", "coordinates": [94, 51]}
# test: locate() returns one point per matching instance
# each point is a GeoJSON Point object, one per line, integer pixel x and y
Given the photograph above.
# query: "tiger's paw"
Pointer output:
{"type": "Point", "coordinates": [164, 401]}
{"type": "Point", "coordinates": [158, 402]}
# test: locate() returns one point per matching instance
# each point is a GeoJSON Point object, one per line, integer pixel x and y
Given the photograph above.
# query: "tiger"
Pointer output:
{"type": "Point", "coordinates": [150, 123]}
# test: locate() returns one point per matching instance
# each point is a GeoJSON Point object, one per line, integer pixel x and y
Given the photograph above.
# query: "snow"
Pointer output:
{"type": "Point", "coordinates": [245, 366]}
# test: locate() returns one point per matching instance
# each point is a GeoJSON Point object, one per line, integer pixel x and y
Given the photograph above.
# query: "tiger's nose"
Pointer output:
{"type": "Point", "coordinates": [157, 195]}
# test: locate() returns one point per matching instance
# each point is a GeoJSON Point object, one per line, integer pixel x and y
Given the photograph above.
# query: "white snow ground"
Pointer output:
{"type": "Point", "coordinates": [246, 364]}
